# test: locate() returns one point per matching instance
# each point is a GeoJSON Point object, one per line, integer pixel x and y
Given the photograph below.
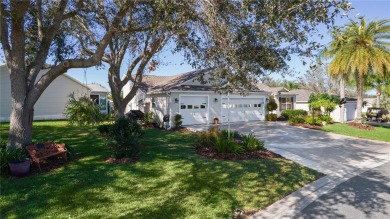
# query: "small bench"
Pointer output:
{"type": "Point", "coordinates": [40, 151]}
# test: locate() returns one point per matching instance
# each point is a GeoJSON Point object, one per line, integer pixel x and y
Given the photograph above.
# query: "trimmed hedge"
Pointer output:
{"type": "Point", "coordinates": [291, 113]}
{"type": "Point", "coordinates": [271, 117]}
{"type": "Point", "coordinates": [296, 120]}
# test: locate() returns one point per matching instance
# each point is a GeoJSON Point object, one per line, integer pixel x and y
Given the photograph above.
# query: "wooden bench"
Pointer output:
{"type": "Point", "coordinates": [40, 151]}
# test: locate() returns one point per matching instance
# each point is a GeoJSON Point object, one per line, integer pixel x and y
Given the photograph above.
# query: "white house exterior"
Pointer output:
{"type": "Point", "coordinates": [302, 102]}
{"type": "Point", "coordinates": [197, 103]}
{"type": "Point", "coordinates": [283, 97]}
{"type": "Point", "coordinates": [51, 103]}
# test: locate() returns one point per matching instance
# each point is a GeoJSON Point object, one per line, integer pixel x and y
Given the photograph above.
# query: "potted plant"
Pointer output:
{"type": "Point", "coordinates": [216, 121]}
{"type": "Point", "coordinates": [18, 162]}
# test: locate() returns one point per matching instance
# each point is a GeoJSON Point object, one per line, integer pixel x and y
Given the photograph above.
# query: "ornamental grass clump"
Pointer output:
{"type": "Point", "coordinates": [222, 142]}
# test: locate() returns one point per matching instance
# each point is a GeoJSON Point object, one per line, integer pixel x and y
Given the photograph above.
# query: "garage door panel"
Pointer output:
{"type": "Point", "coordinates": [243, 109]}
{"type": "Point", "coordinates": [194, 109]}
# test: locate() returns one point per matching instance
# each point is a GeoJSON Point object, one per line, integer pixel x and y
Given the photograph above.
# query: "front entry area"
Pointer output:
{"type": "Point", "coordinates": [194, 109]}
{"type": "Point", "coordinates": [243, 109]}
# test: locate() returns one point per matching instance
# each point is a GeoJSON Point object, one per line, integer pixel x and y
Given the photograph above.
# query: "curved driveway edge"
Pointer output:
{"type": "Point", "coordinates": [339, 157]}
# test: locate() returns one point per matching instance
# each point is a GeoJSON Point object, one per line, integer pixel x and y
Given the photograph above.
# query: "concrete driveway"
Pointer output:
{"type": "Point", "coordinates": [339, 157]}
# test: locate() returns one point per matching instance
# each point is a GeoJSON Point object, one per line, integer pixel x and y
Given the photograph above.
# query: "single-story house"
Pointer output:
{"type": "Point", "coordinates": [98, 93]}
{"type": "Point", "coordinates": [51, 104]}
{"type": "Point", "coordinates": [196, 102]}
{"type": "Point", "coordinates": [283, 97]}
{"type": "Point", "coordinates": [302, 102]}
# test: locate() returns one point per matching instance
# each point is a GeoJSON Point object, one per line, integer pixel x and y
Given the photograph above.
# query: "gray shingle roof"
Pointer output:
{"type": "Point", "coordinates": [302, 94]}
{"type": "Point", "coordinates": [156, 83]}
{"type": "Point", "coordinates": [97, 88]}
{"type": "Point", "coordinates": [153, 83]}
{"type": "Point", "coordinates": [267, 88]}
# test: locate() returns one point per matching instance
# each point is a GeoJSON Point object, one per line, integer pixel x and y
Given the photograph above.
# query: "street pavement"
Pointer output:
{"type": "Point", "coordinates": [341, 158]}
{"type": "Point", "coordinates": [364, 196]}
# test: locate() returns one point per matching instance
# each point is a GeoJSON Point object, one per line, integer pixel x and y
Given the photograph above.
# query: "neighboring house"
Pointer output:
{"type": "Point", "coordinates": [99, 95]}
{"type": "Point", "coordinates": [283, 97]}
{"type": "Point", "coordinates": [51, 103]}
{"type": "Point", "coordinates": [197, 103]}
{"type": "Point", "coordinates": [302, 102]}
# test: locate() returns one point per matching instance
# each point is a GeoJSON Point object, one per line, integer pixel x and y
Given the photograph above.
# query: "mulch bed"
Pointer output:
{"type": "Point", "coordinates": [361, 126]}
{"type": "Point", "coordinates": [211, 153]}
{"type": "Point", "coordinates": [308, 126]}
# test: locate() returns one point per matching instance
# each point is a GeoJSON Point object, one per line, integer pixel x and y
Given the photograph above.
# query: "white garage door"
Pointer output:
{"type": "Point", "coordinates": [194, 109]}
{"type": "Point", "coordinates": [243, 109]}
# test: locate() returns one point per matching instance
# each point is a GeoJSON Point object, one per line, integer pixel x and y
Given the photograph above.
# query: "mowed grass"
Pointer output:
{"type": "Point", "coordinates": [381, 132]}
{"type": "Point", "coordinates": [169, 181]}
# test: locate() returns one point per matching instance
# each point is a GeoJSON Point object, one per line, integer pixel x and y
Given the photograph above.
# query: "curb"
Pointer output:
{"type": "Point", "coordinates": [298, 200]}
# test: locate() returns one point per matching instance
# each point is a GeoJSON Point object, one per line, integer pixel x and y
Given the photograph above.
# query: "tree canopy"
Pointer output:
{"type": "Point", "coordinates": [240, 40]}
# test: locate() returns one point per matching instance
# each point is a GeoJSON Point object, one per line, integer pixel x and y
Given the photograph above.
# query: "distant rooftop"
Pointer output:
{"type": "Point", "coordinates": [98, 88]}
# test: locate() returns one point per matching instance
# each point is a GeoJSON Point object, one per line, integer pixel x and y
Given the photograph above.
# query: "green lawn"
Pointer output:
{"type": "Point", "coordinates": [381, 133]}
{"type": "Point", "coordinates": [170, 181]}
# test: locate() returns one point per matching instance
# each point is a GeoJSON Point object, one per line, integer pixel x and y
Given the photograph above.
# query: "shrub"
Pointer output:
{"type": "Point", "coordinates": [225, 145]}
{"type": "Point", "coordinates": [271, 106]}
{"type": "Point", "coordinates": [251, 143]}
{"type": "Point", "coordinates": [296, 120]}
{"type": "Point", "coordinates": [290, 113]}
{"type": "Point", "coordinates": [148, 119]}
{"type": "Point", "coordinates": [177, 121]}
{"type": "Point", "coordinates": [83, 111]}
{"type": "Point", "coordinates": [104, 129]}
{"type": "Point", "coordinates": [123, 139]}
{"type": "Point", "coordinates": [233, 134]}
{"type": "Point", "coordinates": [313, 121]}
{"type": "Point", "coordinates": [237, 144]}
{"type": "Point", "coordinates": [326, 119]}
{"type": "Point", "coordinates": [271, 117]}
{"type": "Point", "coordinates": [7, 155]}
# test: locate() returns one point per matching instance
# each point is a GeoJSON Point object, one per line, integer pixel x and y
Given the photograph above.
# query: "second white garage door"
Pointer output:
{"type": "Point", "coordinates": [194, 109]}
{"type": "Point", "coordinates": [243, 109]}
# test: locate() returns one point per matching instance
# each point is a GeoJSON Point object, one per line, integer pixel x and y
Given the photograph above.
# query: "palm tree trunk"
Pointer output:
{"type": "Point", "coordinates": [359, 87]}
{"type": "Point", "coordinates": [342, 96]}
{"type": "Point", "coordinates": [378, 96]}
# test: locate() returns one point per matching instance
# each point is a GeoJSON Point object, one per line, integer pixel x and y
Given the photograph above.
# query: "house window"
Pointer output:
{"type": "Point", "coordinates": [286, 103]}
{"type": "Point", "coordinates": [95, 98]}
{"type": "Point", "coordinates": [182, 106]}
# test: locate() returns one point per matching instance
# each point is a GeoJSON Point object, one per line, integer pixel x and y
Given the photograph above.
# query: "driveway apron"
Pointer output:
{"type": "Point", "coordinates": [339, 157]}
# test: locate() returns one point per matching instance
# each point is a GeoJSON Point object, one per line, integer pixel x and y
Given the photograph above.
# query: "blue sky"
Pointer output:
{"type": "Point", "coordinates": [173, 63]}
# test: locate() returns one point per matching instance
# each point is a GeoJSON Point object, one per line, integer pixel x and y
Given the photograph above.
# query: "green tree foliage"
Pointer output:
{"type": "Point", "coordinates": [240, 40]}
{"type": "Point", "coordinates": [83, 111]}
{"type": "Point", "coordinates": [177, 121]}
{"type": "Point", "coordinates": [324, 102]}
{"type": "Point", "coordinates": [365, 49]}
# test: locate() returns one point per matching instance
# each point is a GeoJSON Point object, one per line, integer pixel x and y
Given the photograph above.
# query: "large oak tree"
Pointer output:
{"type": "Point", "coordinates": [239, 39]}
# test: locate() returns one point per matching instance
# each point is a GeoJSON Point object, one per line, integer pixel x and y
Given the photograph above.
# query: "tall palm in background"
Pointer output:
{"type": "Point", "coordinates": [381, 84]}
{"type": "Point", "coordinates": [366, 49]}
{"type": "Point", "coordinates": [334, 47]}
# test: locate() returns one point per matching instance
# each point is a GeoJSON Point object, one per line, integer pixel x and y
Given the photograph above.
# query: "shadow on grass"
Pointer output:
{"type": "Point", "coordinates": [169, 181]}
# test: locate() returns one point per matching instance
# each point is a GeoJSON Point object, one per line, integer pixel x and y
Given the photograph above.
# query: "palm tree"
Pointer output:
{"type": "Point", "coordinates": [366, 49]}
{"type": "Point", "coordinates": [338, 40]}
